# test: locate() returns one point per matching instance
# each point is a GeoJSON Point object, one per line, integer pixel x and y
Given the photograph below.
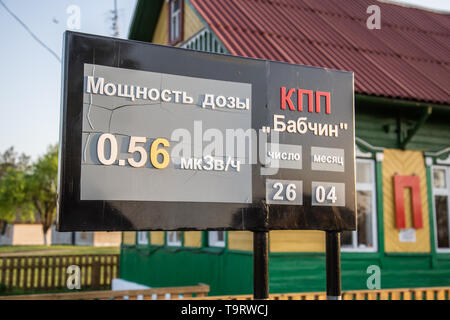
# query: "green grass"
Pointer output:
{"type": "Point", "coordinates": [57, 250]}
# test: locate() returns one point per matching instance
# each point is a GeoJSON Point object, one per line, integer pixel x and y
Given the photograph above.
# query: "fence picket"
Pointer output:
{"type": "Point", "coordinates": [2, 270]}
{"type": "Point", "coordinates": [32, 270]}
{"type": "Point", "coordinates": [9, 274]}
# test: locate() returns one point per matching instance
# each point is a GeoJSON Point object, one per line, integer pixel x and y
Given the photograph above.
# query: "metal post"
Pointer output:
{"type": "Point", "coordinates": [333, 261]}
{"type": "Point", "coordinates": [260, 265]}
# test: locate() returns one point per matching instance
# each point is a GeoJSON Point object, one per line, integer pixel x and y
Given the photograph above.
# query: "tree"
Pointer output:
{"type": "Point", "coordinates": [13, 198]}
{"type": "Point", "coordinates": [10, 159]}
{"type": "Point", "coordinates": [26, 189]}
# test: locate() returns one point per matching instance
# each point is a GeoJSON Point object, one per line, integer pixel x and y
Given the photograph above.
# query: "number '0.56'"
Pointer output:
{"type": "Point", "coordinates": [132, 148]}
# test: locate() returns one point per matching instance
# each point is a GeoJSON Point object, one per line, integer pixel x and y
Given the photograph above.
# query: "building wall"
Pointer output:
{"type": "Point", "coordinates": [32, 234]}
{"type": "Point", "coordinates": [84, 238]}
{"type": "Point", "coordinates": [297, 241]}
{"type": "Point", "coordinates": [240, 240]}
{"type": "Point", "coordinates": [193, 239]}
{"type": "Point", "coordinates": [280, 241]}
{"type": "Point", "coordinates": [226, 273]}
{"type": "Point", "coordinates": [191, 24]}
{"type": "Point", "coordinates": [157, 238]}
{"type": "Point", "coordinates": [107, 239]}
{"type": "Point", "coordinates": [297, 258]}
{"type": "Point", "coordinates": [377, 124]}
{"type": "Point", "coordinates": [29, 234]}
{"type": "Point", "coordinates": [128, 238]}
{"type": "Point", "coordinates": [64, 238]}
{"type": "Point", "coordinates": [161, 32]}
{"type": "Point", "coordinates": [98, 239]}
{"type": "Point", "coordinates": [6, 238]}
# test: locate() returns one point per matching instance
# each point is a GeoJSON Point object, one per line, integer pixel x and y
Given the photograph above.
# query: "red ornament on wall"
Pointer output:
{"type": "Point", "coordinates": [413, 182]}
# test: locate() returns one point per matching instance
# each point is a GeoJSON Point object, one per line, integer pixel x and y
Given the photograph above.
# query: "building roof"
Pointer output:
{"type": "Point", "coordinates": [408, 58]}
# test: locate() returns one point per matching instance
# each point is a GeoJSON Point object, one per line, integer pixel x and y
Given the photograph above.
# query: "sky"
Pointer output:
{"type": "Point", "coordinates": [30, 76]}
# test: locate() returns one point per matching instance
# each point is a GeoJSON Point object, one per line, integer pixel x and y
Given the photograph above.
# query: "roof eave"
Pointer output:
{"type": "Point", "coordinates": [365, 98]}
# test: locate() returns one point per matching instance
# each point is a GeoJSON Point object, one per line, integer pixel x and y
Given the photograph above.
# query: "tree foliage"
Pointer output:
{"type": "Point", "coordinates": [13, 196]}
{"type": "Point", "coordinates": [28, 189]}
{"type": "Point", "coordinates": [41, 187]}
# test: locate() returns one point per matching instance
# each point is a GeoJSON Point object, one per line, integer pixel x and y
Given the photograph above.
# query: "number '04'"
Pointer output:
{"type": "Point", "coordinates": [155, 151]}
{"type": "Point", "coordinates": [322, 195]}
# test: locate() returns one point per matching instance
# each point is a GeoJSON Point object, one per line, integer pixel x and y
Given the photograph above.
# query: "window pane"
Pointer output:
{"type": "Point", "coordinates": [174, 237]}
{"type": "Point", "coordinates": [177, 27]}
{"type": "Point", "coordinates": [142, 237]}
{"type": "Point", "coordinates": [216, 238]}
{"type": "Point", "coordinates": [176, 5]}
{"type": "Point", "coordinates": [173, 29]}
{"type": "Point", "coordinates": [346, 239]}
{"type": "Point", "coordinates": [364, 213]}
{"type": "Point", "coordinates": [363, 172]}
{"type": "Point", "coordinates": [439, 178]}
{"type": "Point", "coordinates": [175, 20]}
{"type": "Point", "coordinates": [442, 221]}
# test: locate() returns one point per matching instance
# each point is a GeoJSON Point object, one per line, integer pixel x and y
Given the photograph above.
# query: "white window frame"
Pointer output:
{"type": "Point", "coordinates": [213, 241]}
{"type": "Point", "coordinates": [361, 186]}
{"type": "Point", "coordinates": [175, 15]}
{"type": "Point", "coordinates": [171, 243]}
{"type": "Point", "coordinates": [440, 192]}
{"type": "Point", "coordinates": [142, 237]}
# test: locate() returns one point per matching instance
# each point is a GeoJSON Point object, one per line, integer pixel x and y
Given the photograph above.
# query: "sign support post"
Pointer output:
{"type": "Point", "coordinates": [333, 265]}
{"type": "Point", "coordinates": [260, 265]}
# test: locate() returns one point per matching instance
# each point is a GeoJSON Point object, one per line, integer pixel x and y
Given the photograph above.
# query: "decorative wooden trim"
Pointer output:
{"type": "Point", "coordinates": [380, 209]}
{"type": "Point", "coordinates": [379, 156]}
{"type": "Point", "coordinates": [367, 145]}
{"type": "Point", "coordinates": [444, 161]}
{"type": "Point", "coordinates": [361, 154]}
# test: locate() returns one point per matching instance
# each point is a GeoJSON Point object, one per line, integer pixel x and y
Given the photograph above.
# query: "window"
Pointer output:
{"type": "Point", "coordinates": [216, 238]}
{"type": "Point", "coordinates": [175, 21]}
{"type": "Point", "coordinates": [441, 196]}
{"type": "Point", "coordinates": [173, 238]}
{"type": "Point", "coordinates": [142, 237]}
{"type": "Point", "coordinates": [364, 238]}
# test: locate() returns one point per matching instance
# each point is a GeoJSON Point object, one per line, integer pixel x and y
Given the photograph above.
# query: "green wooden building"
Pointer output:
{"type": "Point", "coordinates": [402, 101]}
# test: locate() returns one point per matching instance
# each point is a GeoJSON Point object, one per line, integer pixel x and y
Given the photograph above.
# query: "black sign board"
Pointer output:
{"type": "Point", "coordinates": [162, 138]}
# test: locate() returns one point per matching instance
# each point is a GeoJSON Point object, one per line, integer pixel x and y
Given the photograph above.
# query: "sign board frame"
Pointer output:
{"type": "Point", "coordinates": [268, 79]}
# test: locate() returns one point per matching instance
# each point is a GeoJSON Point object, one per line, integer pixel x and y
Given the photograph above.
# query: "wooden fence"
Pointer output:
{"type": "Point", "coordinates": [434, 293]}
{"type": "Point", "coordinates": [50, 272]}
{"type": "Point", "coordinates": [174, 293]}
{"type": "Point", "coordinates": [201, 291]}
